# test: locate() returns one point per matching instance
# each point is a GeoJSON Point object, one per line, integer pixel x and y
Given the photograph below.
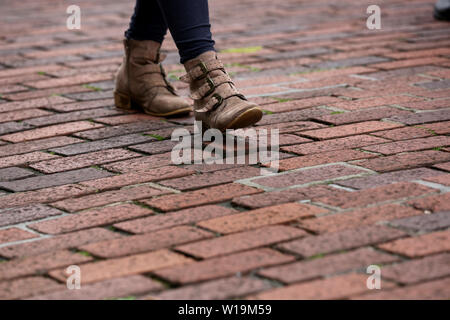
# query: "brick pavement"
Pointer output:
{"type": "Point", "coordinates": [364, 176]}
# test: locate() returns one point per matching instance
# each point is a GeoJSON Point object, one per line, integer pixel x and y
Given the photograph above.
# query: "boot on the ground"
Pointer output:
{"type": "Point", "coordinates": [141, 82]}
{"type": "Point", "coordinates": [217, 103]}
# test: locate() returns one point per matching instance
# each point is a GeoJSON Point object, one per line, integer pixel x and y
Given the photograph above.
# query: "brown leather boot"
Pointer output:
{"type": "Point", "coordinates": [141, 82]}
{"type": "Point", "coordinates": [217, 103]}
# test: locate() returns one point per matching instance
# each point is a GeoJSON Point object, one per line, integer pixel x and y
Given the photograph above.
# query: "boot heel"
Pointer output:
{"type": "Point", "coordinates": [122, 101]}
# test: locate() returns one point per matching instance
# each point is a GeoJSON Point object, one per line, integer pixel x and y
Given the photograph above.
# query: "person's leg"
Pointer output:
{"type": "Point", "coordinates": [147, 22]}
{"type": "Point", "coordinates": [188, 22]}
{"type": "Point", "coordinates": [217, 102]}
{"type": "Point", "coordinates": [141, 80]}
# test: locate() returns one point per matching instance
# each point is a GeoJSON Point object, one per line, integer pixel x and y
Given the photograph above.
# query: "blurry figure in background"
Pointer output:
{"type": "Point", "coordinates": [442, 10]}
{"type": "Point", "coordinates": [141, 80]}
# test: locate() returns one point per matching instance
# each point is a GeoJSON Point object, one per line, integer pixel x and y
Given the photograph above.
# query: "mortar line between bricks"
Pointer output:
{"type": "Point", "coordinates": [440, 187]}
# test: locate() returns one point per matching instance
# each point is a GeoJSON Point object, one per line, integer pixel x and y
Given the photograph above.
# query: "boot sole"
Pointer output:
{"type": "Point", "coordinates": [246, 119]}
{"type": "Point", "coordinates": [124, 102]}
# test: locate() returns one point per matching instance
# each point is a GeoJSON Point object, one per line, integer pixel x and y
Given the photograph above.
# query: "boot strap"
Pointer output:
{"type": "Point", "coordinates": [202, 69]}
{"type": "Point", "coordinates": [210, 85]}
{"type": "Point", "coordinates": [157, 76]}
{"type": "Point", "coordinates": [217, 98]}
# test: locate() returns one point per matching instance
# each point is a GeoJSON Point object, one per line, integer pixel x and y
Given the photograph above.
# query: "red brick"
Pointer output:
{"type": "Point", "coordinates": [322, 158]}
{"type": "Point", "coordinates": [223, 266]}
{"type": "Point", "coordinates": [29, 146]}
{"type": "Point", "coordinates": [436, 203]}
{"type": "Point", "coordinates": [374, 195]}
{"type": "Point", "coordinates": [109, 289]}
{"type": "Point", "coordinates": [338, 287]}
{"type": "Point", "coordinates": [433, 290]}
{"type": "Point", "coordinates": [138, 177]}
{"type": "Point", "coordinates": [349, 129]}
{"type": "Point", "coordinates": [226, 288]}
{"type": "Point", "coordinates": [357, 218]}
{"type": "Point", "coordinates": [427, 105]}
{"type": "Point", "coordinates": [69, 240]}
{"type": "Point", "coordinates": [23, 114]}
{"type": "Point", "coordinates": [404, 160]}
{"type": "Point", "coordinates": [50, 131]}
{"type": "Point", "coordinates": [443, 166]}
{"type": "Point", "coordinates": [200, 197]}
{"type": "Point", "coordinates": [308, 175]}
{"type": "Point", "coordinates": [409, 145]}
{"type": "Point", "coordinates": [443, 179]}
{"type": "Point", "coordinates": [361, 115]}
{"type": "Point", "coordinates": [125, 119]}
{"type": "Point", "coordinates": [335, 72]}
{"type": "Point", "coordinates": [241, 241]}
{"type": "Point", "coordinates": [142, 163]}
{"type": "Point", "coordinates": [90, 218]}
{"type": "Point", "coordinates": [343, 240]}
{"type": "Point", "coordinates": [405, 133]}
{"type": "Point", "coordinates": [332, 264]}
{"type": "Point", "coordinates": [419, 246]}
{"type": "Point", "coordinates": [372, 181]}
{"type": "Point", "coordinates": [69, 81]}
{"type": "Point", "coordinates": [54, 179]}
{"type": "Point", "coordinates": [300, 104]}
{"type": "Point", "coordinates": [211, 178]}
{"type": "Point", "coordinates": [408, 63]}
{"type": "Point", "coordinates": [15, 234]}
{"type": "Point", "coordinates": [336, 144]}
{"type": "Point", "coordinates": [44, 195]}
{"type": "Point", "coordinates": [22, 288]}
{"type": "Point", "coordinates": [25, 159]}
{"type": "Point", "coordinates": [261, 217]}
{"type": "Point", "coordinates": [26, 70]}
{"type": "Point", "coordinates": [81, 105]}
{"type": "Point", "coordinates": [173, 219]}
{"type": "Point", "coordinates": [146, 242]}
{"type": "Point", "coordinates": [374, 102]}
{"type": "Point", "coordinates": [28, 213]}
{"type": "Point", "coordinates": [279, 197]}
{"type": "Point", "coordinates": [83, 160]}
{"type": "Point", "coordinates": [120, 267]}
{"type": "Point", "coordinates": [33, 103]}
{"type": "Point", "coordinates": [14, 173]}
{"type": "Point", "coordinates": [442, 127]}
{"type": "Point", "coordinates": [418, 270]}
{"type": "Point", "coordinates": [39, 264]}
{"type": "Point", "coordinates": [101, 199]}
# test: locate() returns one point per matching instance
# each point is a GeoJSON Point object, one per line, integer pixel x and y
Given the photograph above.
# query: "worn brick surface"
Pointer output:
{"type": "Point", "coordinates": [405, 160]}
{"type": "Point", "coordinates": [353, 219]}
{"type": "Point", "coordinates": [200, 197]}
{"type": "Point", "coordinates": [419, 270]}
{"type": "Point", "coordinates": [373, 195]}
{"type": "Point", "coordinates": [119, 267]}
{"type": "Point", "coordinates": [55, 179]}
{"type": "Point", "coordinates": [68, 240]}
{"type": "Point", "coordinates": [331, 264]}
{"type": "Point", "coordinates": [364, 124]}
{"type": "Point", "coordinates": [83, 160]}
{"type": "Point", "coordinates": [241, 241]}
{"type": "Point", "coordinates": [28, 213]}
{"type": "Point", "coordinates": [261, 217]}
{"type": "Point", "coordinates": [342, 240]}
{"type": "Point", "coordinates": [428, 222]}
{"type": "Point", "coordinates": [109, 289]}
{"type": "Point", "coordinates": [90, 218]}
{"type": "Point", "coordinates": [172, 219]}
{"type": "Point", "coordinates": [308, 175]}
{"type": "Point", "coordinates": [147, 242]}
{"type": "Point", "coordinates": [284, 196]}
{"type": "Point", "coordinates": [223, 266]}
{"type": "Point", "coordinates": [100, 199]}
{"type": "Point", "coordinates": [423, 245]}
